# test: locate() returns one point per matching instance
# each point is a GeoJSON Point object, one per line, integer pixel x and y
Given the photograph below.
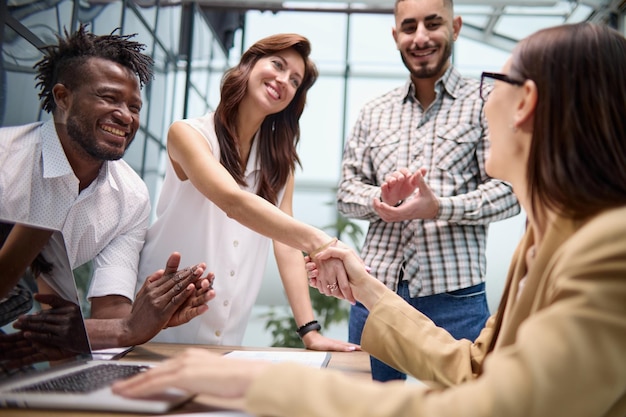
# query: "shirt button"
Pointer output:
{"type": "Point", "coordinates": [232, 273]}
{"type": "Point", "coordinates": [236, 243]}
{"type": "Point", "coordinates": [226, 303]}
{"type": "Point", "coordinates": [218, 333]}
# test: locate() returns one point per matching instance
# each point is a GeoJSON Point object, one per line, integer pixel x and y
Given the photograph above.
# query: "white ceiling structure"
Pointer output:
{"type": "Point", "coordinates": [498, 23]}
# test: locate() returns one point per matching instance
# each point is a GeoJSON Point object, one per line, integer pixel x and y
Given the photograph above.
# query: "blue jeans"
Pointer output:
{"type": "Point", "coordinates": [462, 313]}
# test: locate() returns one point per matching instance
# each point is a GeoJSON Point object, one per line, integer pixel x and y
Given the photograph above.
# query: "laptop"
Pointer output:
{"type": "Point", "coordinates": [63, 373]}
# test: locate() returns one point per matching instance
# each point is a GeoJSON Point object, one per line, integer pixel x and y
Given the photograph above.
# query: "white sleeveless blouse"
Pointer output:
{"type": "Point", "coordinates": [189, 223]}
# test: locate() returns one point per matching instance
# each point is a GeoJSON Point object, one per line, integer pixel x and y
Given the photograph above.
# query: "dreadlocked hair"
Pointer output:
{"type": "Point", "coordinates": [62, 63]}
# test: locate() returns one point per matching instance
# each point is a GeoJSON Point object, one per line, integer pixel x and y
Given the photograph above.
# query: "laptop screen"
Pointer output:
{"type": "Point", "coordinates": [44, 349]}
{"type": "Point", "coordinates": [41, 324]}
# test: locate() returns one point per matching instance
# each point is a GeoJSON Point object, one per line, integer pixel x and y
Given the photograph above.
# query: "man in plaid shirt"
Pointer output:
{"type": "Point", "coordinates": [429, 136]}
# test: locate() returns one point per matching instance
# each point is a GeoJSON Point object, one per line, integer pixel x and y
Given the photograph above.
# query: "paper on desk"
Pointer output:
{"type": "Point", "coordinates": [112, 353]}
{"type": "Point", "coordinates": [315, 359]}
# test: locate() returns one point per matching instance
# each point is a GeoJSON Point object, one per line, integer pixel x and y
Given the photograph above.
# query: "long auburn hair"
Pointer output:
{"type": "Point", "coordinates": [280, 132]}
{"type": "Point", "coordinates": [577, 160]}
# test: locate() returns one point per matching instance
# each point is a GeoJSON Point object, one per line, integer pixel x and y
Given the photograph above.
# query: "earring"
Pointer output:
{"type": "Point", "coordinates": [513, 128]}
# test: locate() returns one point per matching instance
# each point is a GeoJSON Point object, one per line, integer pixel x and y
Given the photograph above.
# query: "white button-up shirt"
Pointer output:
{"type": "Point", "coordinates": [105, 222]}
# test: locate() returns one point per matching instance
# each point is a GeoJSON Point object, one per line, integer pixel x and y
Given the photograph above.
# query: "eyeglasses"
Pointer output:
{"type": "Point", "coordinates": [487, 80]}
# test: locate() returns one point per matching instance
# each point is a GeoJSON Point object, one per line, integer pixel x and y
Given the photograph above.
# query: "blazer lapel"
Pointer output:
{"type": "Point", "coordinates": [537, 283]}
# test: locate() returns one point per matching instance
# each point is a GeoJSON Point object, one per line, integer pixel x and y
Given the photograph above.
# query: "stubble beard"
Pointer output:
{"type": "Point", "coordinates": [83, 141]}
{"type": "Point", "coordinates": [424, 71]}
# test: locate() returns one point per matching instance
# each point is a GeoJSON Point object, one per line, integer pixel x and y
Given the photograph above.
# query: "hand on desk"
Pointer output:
{"type": "Point", "coordinates": [316, 341]}
{"type": "Point", "coordinates": [196, 371]}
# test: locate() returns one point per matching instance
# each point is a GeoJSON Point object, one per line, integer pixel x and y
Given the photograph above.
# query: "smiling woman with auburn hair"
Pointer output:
{"type": "Point", "coordinates": [228, 193]}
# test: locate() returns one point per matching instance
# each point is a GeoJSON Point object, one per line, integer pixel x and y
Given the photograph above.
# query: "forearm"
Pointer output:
{"type": "Point", "coordinates": [300, 390]}
{"type": "Point", "coordinates": [109, 333]}
{"type": "Point", "coordinates": [354, 199]}
{"type": "Point", "coordinates": [193, 158]}
{"type": "Point", "coordinates": [490, 202]}
{"type": "Point", "coordinates": [420, 348]}
{"type": "Point", "coordinates": [293, 276]}
{"type": "Point", "coordinates": [116, 332]}
{"type": "Point", "coordinates": [268, 220]}
{"type": "Point", "coordinates": [368, 290]}
{"type": "Point", "coordinates": [360, 182]}
{"type": "Point", "coordinates": [108, 325]}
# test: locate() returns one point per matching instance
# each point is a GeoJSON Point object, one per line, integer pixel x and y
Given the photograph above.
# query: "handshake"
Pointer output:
{"type": "Point", "coordinates": [336, 270]}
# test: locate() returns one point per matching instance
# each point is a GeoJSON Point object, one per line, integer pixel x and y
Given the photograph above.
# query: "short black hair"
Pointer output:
{"type": "Point", "coordinates": [62, 62]}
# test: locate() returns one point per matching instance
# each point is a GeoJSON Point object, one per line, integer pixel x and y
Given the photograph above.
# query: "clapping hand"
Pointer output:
{"type": "Point", "coordinates": [169, 297]}
{"type": "Point", "coordinates": [418, 200]}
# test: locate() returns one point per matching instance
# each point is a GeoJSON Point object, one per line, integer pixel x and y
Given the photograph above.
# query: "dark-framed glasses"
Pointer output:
{"type": "Point", "coordinates": [487, 80]}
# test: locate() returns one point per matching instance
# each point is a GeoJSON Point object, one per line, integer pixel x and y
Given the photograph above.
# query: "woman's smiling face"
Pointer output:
{"type": "Point", "coordinates": [275, 79]}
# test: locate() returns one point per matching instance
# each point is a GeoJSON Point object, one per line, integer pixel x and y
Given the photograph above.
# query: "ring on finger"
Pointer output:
{"type": "Point", "coordinates": [180, 275]}
{"type": "Point", "coordinates": [332, 287]}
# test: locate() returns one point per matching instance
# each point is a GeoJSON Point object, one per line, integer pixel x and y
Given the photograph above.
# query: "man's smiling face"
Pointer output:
{"type": "Point", "coordinates": [424, 33]}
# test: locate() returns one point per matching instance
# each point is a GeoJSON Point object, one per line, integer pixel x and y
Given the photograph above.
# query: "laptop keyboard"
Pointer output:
{"type": "Point", "coordinates": [85, 380]}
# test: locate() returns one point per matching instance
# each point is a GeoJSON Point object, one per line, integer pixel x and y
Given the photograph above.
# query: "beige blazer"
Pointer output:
{"type": "Point", "coordinates": [560, 348]}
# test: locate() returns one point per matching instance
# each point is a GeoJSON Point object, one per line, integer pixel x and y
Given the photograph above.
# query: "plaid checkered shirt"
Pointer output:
{"type": "Point", "coordinates": [393, 131]}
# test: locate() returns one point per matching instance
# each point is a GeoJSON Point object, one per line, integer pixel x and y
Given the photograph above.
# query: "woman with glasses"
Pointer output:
{"type": "Point", "coordinates": [557, 345]}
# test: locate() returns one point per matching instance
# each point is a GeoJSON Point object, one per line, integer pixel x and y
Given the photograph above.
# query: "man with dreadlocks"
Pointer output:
{"type": "Point", "coordinates": [67, 174]}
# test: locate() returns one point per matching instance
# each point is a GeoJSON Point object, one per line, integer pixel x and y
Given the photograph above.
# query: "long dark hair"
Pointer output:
{"type": "Point", "coordinates": [280, 132]}
{"type": "Point", "coordinates": [577, 159]}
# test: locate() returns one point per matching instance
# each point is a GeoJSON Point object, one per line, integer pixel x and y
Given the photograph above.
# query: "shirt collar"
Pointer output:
{"type": "Point", "coordinates": [55, 163]}
{"type": "Point", "coordinates": [104, 175]}
{"type": "Point", "coordinates": [450, 82]}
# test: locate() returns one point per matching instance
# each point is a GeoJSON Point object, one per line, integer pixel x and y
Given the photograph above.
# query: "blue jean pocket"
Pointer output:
{"type": "Point", "coordinates": [473, 291]}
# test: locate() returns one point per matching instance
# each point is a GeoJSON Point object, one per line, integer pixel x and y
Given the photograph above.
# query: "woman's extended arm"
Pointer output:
{"type": "Point", "coordinates": [193, 160]}
{"type": "Point", "coordinates": [294, 278]}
